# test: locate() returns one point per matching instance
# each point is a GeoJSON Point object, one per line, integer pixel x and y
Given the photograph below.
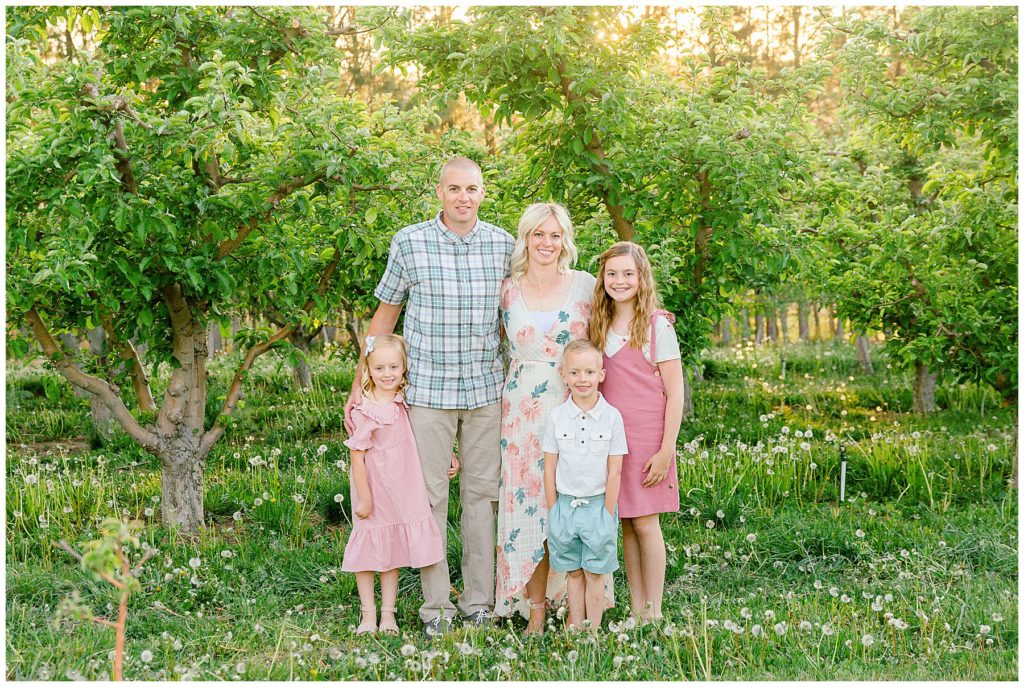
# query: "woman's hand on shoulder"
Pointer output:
{"type": "Point", "coordinates": [657, 467]}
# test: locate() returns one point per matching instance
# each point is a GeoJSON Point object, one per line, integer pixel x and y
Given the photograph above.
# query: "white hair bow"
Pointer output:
{"type": "Point", "coordinates": [369, 344]}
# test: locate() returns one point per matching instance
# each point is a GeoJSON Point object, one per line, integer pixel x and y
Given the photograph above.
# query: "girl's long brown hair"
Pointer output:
{"type": "Point", "coordinates": [646, 299]}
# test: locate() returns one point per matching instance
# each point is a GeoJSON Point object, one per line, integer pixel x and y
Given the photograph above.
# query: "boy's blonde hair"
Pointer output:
{"type": "Point", "coordinates": [646, 298]}
{"type": "Point", "coordinates": [385, 341]}
{"type": "Point", "coordinates": [582, 346]}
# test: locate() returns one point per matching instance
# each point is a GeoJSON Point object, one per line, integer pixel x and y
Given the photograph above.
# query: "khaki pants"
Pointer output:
{"type": "Point", "coordinates": [478, 432]}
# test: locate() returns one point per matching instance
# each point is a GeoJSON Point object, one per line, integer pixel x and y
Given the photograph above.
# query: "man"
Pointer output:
{"type": "Point", "coordinates": [449, 270]}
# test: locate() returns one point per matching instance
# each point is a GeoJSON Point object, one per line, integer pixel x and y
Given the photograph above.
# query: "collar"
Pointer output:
{"type": "Point", "coordinates": [450, 236]}
{"type": "Point", "coordinates": [596, 412]}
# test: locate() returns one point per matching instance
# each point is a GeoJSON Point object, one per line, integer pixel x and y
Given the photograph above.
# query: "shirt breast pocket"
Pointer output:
{"type": "Point", "coordinates": [566, 441]}
{"type": "Point", "coordinates": [601, 441]}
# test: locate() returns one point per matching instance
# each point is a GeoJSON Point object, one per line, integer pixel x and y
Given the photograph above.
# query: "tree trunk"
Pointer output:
{"type": "Point", "coordinates": [302, 378]}
{"type": "Point", "coordinates": [215, 339]}
{"type": "Point", "coordinates": [181, 422]}
{"type": "Point", "coordinates": [236, 326]}
{"type": "Point", "coordinates": [1014, 483]}
{"type": "Point", "coordinates": [840, 330]}
{"type": "Point", "coordinates": [72, 344]}
{"type": "Point", "coordinates": [773, 327]}
{"type": "Point", "coordinates": [357, 330]}
{"type": "Point", "coordinates": [832, 322]}
{"type": "Point", "coordinates": [759, 333]}
{"type": "Point", "coordinates": [181, 484]}
{"type": "Point", "coordinates": [104, 425]}
{"type": "Point", "coordinates": [801, 318]}
{"type": "Point", "coordinates": [783, 322]}
{"type": "Point", "coordinates": [726, 323]}
{"type": "Point", "coordinates": [863, 354]}
{"type": "Point", "coordinates": [924, 389]}
{"type": "Point", "coordinates": [817, 322]}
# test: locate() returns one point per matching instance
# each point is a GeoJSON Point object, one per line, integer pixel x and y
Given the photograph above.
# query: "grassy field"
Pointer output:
{"type": "Point", "coordinates": [770, 576]}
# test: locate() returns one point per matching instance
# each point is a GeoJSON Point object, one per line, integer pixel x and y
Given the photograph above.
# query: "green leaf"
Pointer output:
{"type": "Point", "coordinates": [52, 388]}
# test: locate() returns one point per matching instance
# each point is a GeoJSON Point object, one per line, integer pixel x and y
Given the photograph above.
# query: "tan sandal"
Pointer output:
{"type": "Point", "coordinates": [388, 627]}
{"type": "Point", "coordinates": [365, 626]}
{"type": "Point", "coordinates": [531, 629]}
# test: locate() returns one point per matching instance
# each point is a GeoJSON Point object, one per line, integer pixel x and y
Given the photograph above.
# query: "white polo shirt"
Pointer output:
{"type": "Point", "coordinates": [583, 442]}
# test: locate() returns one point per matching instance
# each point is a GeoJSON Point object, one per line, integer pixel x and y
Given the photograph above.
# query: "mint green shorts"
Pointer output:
{"type": "Point", "coordinates": [583, 536]}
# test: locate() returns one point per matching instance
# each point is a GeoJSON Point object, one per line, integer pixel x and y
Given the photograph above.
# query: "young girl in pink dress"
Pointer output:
{"type": "Point", "coordinates": [393, 526]}
{"type": "Point", "coordinates": [644, 380]}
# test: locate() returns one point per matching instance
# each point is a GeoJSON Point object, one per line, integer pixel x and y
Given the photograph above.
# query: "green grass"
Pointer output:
{"type": "Point", "coordinates": [769, 575]}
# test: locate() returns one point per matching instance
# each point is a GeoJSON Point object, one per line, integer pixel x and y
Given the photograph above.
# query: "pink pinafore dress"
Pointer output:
{"type": "Point", "coordinates": [634, 385]}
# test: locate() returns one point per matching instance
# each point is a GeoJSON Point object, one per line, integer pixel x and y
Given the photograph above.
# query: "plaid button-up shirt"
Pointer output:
{"type": "Point", "coordinates": [452, 284]}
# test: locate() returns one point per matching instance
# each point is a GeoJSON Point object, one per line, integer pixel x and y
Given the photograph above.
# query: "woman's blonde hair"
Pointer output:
{"type": "Point", "coordinates": [386, 341]}
{"type": "Point", "coordinates": [533, 217]}
{"type": "Point", "coordinates": [646, 298]}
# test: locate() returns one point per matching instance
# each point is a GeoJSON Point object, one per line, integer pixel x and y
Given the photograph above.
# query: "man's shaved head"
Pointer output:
{"type": "Point", "coordinates": [462, 163]}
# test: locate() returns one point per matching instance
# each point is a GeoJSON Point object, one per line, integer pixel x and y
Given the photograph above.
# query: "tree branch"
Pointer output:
{"type": "Point", "coordinates": [106, 392]}
{"type": "Point", "coordinates": [130, 356]}
{"type": "Point", "coordinates": [235, 389]}
{"type": "Point", "coordinates": [228, 245]}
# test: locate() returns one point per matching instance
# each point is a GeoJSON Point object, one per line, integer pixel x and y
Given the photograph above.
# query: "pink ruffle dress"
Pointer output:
{"type": "Point", "coordinates": [401, 531]}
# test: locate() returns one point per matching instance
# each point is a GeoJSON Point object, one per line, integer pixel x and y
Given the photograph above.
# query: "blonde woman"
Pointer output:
{"type": "Point", "coordinates": [545, 304]}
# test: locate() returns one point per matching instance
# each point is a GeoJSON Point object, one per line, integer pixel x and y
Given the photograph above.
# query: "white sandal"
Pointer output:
{"type": "Point", "coordinates": [367, 627]}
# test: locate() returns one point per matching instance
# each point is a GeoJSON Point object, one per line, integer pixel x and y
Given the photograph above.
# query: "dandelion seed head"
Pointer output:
{"type": "Point", "coordinates": [867, 640]}
{"type": "Point", "coordinates": [146, 656]}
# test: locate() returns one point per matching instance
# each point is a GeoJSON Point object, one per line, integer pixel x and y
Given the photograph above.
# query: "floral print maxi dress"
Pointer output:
{"type": "Point", "coordinates": [533, 387]}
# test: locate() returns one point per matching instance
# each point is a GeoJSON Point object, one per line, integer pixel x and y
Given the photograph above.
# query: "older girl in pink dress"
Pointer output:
{"type": "Point", "coordinates": [393, 526]}
{"type": "Point", "coordinates": [644, 380]}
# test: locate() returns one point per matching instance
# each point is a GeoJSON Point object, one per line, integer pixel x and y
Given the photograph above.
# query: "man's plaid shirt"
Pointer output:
{"type": "Point", "coordinates": [453, 287]}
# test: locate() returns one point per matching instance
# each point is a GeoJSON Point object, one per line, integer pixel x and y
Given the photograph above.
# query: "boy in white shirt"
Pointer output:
{"type": "Point", "coordinates": [584, 442]}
